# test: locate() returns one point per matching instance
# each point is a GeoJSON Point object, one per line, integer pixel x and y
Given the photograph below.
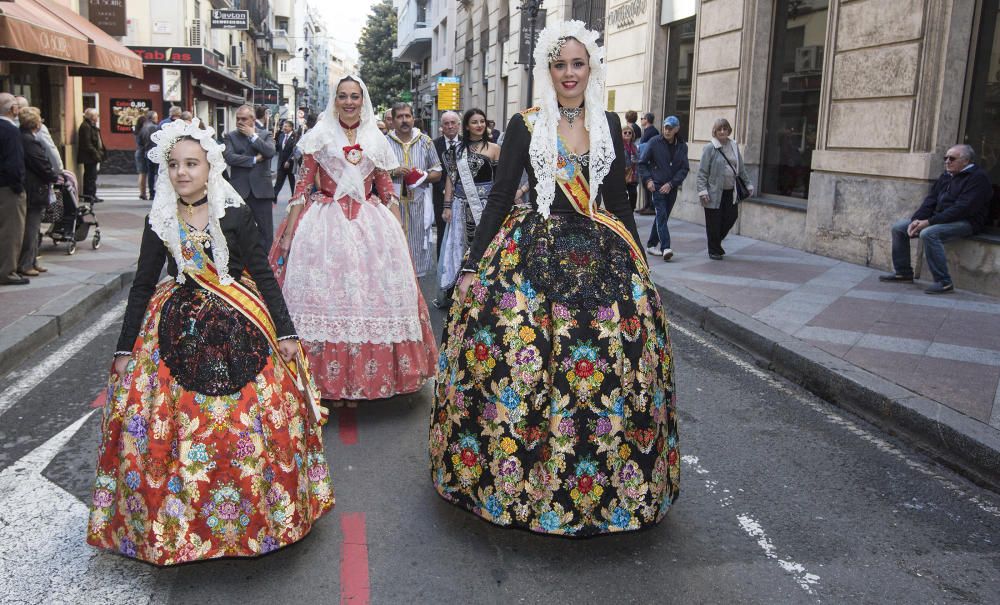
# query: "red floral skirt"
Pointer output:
{"type": "Point", "coordinates": [184, 476]}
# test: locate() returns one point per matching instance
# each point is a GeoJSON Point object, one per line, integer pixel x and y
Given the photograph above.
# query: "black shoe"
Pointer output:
{"type": "Point", "coordinates": [895, 277]}
{"type": "Point", "coordinates": [14, 280]}
{"type": "Point", "coordinates": [714, 256]}
{"type": "Point", "coordinates": [940, 288]}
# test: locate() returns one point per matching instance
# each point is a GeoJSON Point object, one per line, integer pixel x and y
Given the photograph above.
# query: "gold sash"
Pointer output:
{"type": "Point", "coordinates": [577, 191]}
{"type": "Point", "coordinates": [250, 305]}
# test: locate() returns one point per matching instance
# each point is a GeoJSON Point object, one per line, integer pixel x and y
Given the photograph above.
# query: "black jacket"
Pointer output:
{"type": "Point", "coordinates": [38, 173]}
{"type": "Point", "coordinates": [11, 157]}
{"type": "Point", "coordinates": [285, 151]}
{"type": "Point", "coordinates": [648, 133]}
{"type": "Point", "coordinates": [664, 163]}
{"type": "Point", "coordinates": [965, 196]}
{"type": "Point", "coordinates": [245, 251]}
{"type": "Point", "coordinates": [89, 143]}
{"type": "Point", "coordinates": [441, 145]}
{"type": "Point", "coordinates": [514, 160]}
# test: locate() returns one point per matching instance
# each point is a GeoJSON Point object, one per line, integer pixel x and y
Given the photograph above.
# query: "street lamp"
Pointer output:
{"type": "Point", "coordinates": [532, 7]}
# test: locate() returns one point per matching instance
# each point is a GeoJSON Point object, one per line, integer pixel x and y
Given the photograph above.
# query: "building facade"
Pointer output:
{"type": "Point", "coordinates": [844, 108]}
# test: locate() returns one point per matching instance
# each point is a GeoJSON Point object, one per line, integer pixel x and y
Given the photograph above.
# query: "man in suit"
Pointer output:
{"type": "Point", "coordinates": [248, 152]}
{"type": "Point", "coordinates": [286, 162]}
{"type": "Point", "coordinates": [90, 150]}
{"type": "Point", "coordinates": [449, 139]}
{"type": "Point", "coordinates": [13, 202]}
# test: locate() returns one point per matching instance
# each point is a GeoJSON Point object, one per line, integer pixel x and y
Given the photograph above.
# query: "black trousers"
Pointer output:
{"type": "Point", "coordinates": [265, 220]}
{"type": "Point", "coordinates": [632, 191]}
{"type": "Point", "coordinates": [282, 175]}
{"type": "Point", "coordinates": [90, 179]}
{"type": "Point", "coordinates": [718, 222]}
{"type": "Point", "coordinates": [439, 223]}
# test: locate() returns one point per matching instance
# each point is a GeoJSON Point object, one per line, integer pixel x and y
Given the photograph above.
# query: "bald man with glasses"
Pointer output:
{"type": "Point", "coordinates": [957, 206]}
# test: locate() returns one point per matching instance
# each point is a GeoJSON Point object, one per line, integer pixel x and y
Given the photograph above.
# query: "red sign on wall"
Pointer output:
{"type": "Point", "coordinates": [169, 55]}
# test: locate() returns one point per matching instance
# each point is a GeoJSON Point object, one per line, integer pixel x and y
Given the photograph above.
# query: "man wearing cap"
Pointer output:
{"type": "Point", "coordinates": [663, 166]}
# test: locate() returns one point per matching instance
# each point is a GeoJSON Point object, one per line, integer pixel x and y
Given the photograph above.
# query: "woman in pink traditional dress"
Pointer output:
{"type": "Point", "coordinates": [343, 263]}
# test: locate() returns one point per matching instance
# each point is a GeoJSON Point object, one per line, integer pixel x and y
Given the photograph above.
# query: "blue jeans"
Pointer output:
{"type": "Point", "coordinates": [659, 234]}
{"type": "Point", "coordinates": [933, 238]}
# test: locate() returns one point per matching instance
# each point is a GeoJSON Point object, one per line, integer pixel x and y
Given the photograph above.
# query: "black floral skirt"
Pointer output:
{"type": "Point", "coordinates": [554, 408]}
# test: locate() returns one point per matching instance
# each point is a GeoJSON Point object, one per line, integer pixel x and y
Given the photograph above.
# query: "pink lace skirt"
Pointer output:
{"type": "Point", "coordinates": [353, 295]}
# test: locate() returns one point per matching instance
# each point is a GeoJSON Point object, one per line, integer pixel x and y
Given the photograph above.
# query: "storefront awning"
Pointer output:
{"type": "Point", "coordinates": [106, 56]}
{"type": "Point", "coordinates": [221, 95]}
{"type": "Point", "coordinates": [30, 34]}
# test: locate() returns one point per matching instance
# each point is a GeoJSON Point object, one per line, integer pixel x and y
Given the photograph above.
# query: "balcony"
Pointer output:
{"type": "Point", "coordinates": [280, 41]}
{"type": "Point", "coordinates": [413, 37]}
{"type": "Point", "coordinates": [222, 4]}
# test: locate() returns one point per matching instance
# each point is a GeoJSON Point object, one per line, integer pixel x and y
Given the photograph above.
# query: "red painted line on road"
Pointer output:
{"type": "Point", "coordinates": [354, 584]}
{"type": "Point", "coordinates": [100, 400]}
{"type": "Point", "coordinates": [347, 424]}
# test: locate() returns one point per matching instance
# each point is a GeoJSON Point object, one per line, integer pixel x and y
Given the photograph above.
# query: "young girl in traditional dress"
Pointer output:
{"type": "Point", "coordinates": [210, 445]}
{"type": "Point", "coordinates": [554, 408]}
{"type": "Point", "coordinates": [343, 263]}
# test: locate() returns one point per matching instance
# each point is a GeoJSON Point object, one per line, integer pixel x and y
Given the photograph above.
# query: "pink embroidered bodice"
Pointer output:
{"type": "Point", "coordinates": [314, 174]}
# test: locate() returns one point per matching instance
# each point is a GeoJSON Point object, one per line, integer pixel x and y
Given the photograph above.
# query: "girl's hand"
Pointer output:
{"type": "Point", "coordinates": [446, 214]}
{"type": "Point", "coordinates": [121, 363]}
{"type": "Point", "coordinates": [285, 243]}
{"type": "Point", "coordinates": [288, 349]}
{"type": "Point", "coordinates": [464, 283]}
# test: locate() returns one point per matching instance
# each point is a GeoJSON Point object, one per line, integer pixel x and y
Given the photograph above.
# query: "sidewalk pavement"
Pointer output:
{"type": "Point", "coordinates": [33, 315]}
{"type": "Point", "coordinates": [926, 367]}
{"type": "Point", "coordinates": [920, 365]}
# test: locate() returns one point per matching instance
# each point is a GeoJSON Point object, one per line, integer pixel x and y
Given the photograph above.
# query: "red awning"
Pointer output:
{"type": "Point", "coordinates": [106, 56]}
{"type": "Point", "coordinates": [28, 33]}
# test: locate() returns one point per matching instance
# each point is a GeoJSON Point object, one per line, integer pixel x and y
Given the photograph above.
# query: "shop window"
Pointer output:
{"type": "Point", "coordinates": [982, 126]}
{"type": "Point", "coordinates": [793, 97]}
{"type": "Point", "coordinates": [680, 68]}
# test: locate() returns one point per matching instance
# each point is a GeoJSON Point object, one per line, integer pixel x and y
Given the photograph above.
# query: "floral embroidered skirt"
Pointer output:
{"type": "Point", "coordinates": [554, 409]}
{"type": "Point", "coordinates": [183, 475]}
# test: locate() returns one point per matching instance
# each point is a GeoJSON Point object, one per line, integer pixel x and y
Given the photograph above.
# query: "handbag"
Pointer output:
{"type": "Point", "coordinates": [742, 191]}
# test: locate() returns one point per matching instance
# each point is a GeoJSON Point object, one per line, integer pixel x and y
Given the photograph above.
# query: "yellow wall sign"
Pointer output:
{"type": "Point", "coordinates": [449, 95]}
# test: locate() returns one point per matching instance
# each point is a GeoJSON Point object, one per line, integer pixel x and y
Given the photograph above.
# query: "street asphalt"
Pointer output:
{"type": "Point", "coordinates": [784, 499]}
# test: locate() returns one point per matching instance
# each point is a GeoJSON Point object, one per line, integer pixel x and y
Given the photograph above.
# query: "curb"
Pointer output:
{"type": "Point", "coordinates": [32, 332]}
{"type": "Point", "coordinates": [964, 445]}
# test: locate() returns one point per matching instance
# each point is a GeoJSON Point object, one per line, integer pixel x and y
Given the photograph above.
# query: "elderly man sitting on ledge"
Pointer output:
{"type": "Point", "coordinates": [957, 206]}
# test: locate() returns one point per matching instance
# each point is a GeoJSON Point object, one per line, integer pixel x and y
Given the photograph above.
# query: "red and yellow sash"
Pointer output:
{"type": "Point", "coordinates": [577, 191]}
{"type": "Point", "coordinates": [250, 305]}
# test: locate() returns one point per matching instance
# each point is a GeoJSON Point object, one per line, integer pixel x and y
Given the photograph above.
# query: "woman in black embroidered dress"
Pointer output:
{"type": "Point", "coordinates": [554, 409]}
{"type": "Point", "coordinates": [470, 171]}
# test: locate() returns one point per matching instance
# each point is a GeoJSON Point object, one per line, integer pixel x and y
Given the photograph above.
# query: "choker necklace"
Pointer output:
{"type": "Point", "coordinates": [570, 113]}
{"type": "Point", "coordinates": [346, 127]}
{"type": "Point", "coordinates": [192, 206]}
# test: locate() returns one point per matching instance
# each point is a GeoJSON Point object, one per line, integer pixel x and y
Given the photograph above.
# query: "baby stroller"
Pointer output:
{"type": "Point", "coordinates": [68, 214]}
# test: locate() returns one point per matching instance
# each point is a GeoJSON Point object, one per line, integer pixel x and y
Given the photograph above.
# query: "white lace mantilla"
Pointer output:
{"type": "Point", "coordinates": [543, 149]}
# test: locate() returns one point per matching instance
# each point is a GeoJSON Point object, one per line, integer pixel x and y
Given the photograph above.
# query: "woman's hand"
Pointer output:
{"type": "Point", "coordinates": [446, 214]}
{"type": "Point", "coordinates": [121, 364]}
{"type": "Point", "coordinates": [288, 349]}
{"type": "Point", "coordinates": [464, 283]}
{"type": "Point", "coordinates": [285, 243]}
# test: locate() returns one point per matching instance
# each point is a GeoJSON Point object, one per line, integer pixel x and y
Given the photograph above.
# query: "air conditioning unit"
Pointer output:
{"type": "Point", "coordinates": [808, 58]}
{"type": "Point", "coordinates": [195, 32]}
